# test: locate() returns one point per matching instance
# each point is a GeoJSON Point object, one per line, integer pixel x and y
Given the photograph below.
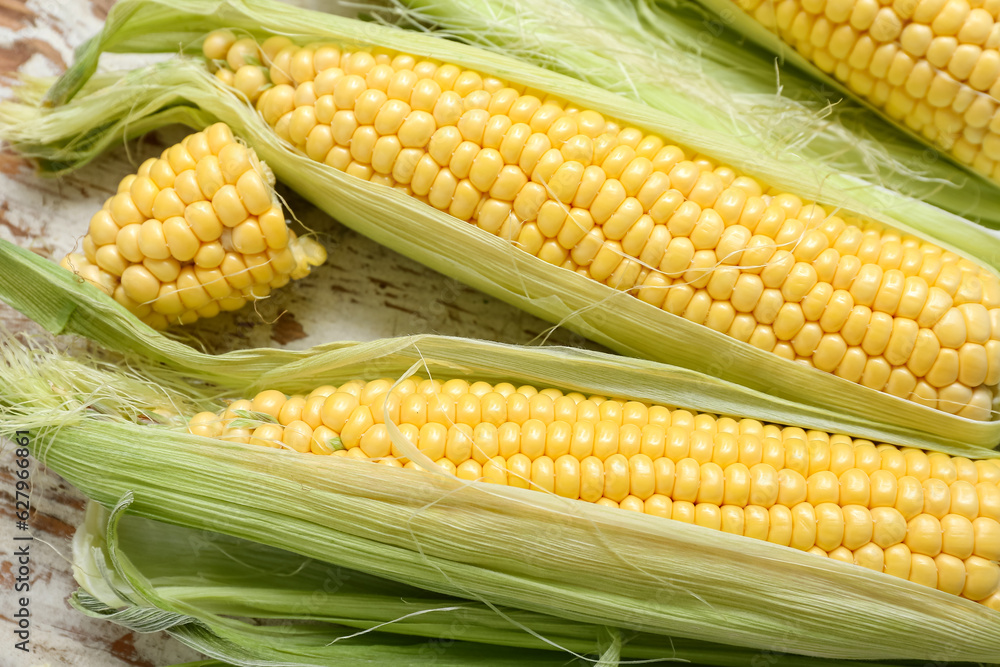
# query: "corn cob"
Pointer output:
{"type": "Point", "coordinates": [629, 210]}
{"type": "Point", "coordinates": [123, 432]}
{"type": "Point", "coordinates": [932, 65]}
{"type": "Point", "coordinates": [924, 516]}
{"type": "Point", "coordinates": [192, 233]}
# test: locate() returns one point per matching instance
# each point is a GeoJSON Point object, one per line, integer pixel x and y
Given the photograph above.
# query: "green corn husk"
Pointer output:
{"type": "Point", "coordinates": [699, 65]}
{"type": "Point", "coordinates": [181, 90]}
{"type": "Point", "coordinates": [161, 573]}
{"type": "Point", "coordinates": [111, 432]}
{"type": "Point", "coordinates": [153, 574]}
{"type": "Point", "coordinates": [212, 593]}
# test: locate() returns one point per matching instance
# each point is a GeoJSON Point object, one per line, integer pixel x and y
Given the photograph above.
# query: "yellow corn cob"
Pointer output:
{"type": "Point", "coordinates": [194, 232]}
{"type": "Point", "coordinates": [928, 517]}
{"type": "Point", "coordinates": [630, 210]}
{"type": "Point", "coordinates": [931, 64]}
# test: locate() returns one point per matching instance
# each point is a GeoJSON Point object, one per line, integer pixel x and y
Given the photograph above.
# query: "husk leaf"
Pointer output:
{"type": "Point", "coordinates": [210, 578]}
{"type": "Point", "coordinates": [302, 645]}
{"type": "Point", "coordinates": [150, 608]}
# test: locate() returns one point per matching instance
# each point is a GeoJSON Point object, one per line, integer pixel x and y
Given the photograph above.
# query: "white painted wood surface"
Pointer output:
{"type": "Point", "coordinates": [362, 293]}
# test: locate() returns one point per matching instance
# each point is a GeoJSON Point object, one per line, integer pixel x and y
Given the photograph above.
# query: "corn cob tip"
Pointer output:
{"type": "Point", "coordinates": [193, 232]}
{"type": "Point", "coordinates": [932, 65]}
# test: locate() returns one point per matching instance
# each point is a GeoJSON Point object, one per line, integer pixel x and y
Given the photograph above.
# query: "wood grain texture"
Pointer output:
{"type": "Point", "coordinates": [363, 292]}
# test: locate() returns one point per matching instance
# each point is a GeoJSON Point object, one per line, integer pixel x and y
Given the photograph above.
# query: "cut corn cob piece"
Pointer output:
{"type": "Point", "coordinates": [931, 65]}
{"type": "Point", "coordinates": [634, 212]}
{"type": "Point", "coordinates": [193, 232]}
{"type": "Point", "coordinates": [924, 516]}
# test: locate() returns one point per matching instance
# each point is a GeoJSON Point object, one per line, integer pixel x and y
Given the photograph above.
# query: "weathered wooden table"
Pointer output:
{"type": "Point", "coordinates": [363, 292]}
